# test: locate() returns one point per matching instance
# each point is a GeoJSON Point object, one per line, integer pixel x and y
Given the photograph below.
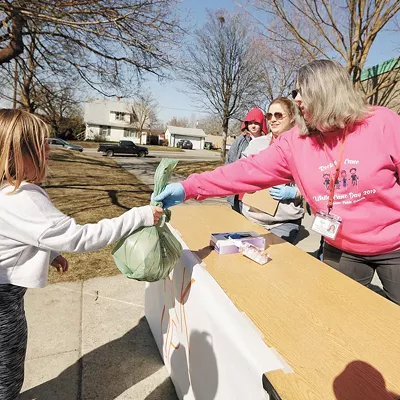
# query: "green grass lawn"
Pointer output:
{"type": "Point", "coordinates": [90, 189]}
{"type": "Point", "coordinates": [186, 168]}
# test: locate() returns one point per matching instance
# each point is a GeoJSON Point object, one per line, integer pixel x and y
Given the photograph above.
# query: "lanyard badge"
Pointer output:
{"type": "Point", "coordinates": [326, 223]}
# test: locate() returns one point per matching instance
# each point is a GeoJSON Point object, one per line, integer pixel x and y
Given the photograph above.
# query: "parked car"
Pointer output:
{"type": "Point", "coordinates": [209, 145]}
{"type": "Point", "coordinates": [185, 144]}
{"type": "Point", "coordinates": [123, 147]}
{"type": "Point", "coordinates": [55, 142]}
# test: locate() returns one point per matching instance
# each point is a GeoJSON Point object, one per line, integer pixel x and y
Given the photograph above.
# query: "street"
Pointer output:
{"type": "Point", "coordinates": [155, 156]}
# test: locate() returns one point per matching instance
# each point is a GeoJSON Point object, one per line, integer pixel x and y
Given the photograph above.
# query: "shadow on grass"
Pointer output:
{"type": "Point", "coordinates": [111, 193]}
{"type": "Point", "coordinates": [78, 159]}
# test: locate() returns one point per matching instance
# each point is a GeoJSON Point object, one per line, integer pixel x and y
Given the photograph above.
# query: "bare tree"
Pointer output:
{"type": "Point", "coordinates": [175, 121]}
{"type": "Point", "coordinates": [38, 90]}
{"type": "Point", "coordinates": [59, 107]}
{"type": "Point", "coordinates": [104, 41]}
{"type": "Point", "coordinates": [145, 110]}
{"type": "Point", "coordinates": [222, 68]}
{"type": "Point", "coordinates": [339, 29]}
{"type": "Point", "coordinates": [21, 80]}
{"type": "Point", "coordinates": [211, 124]}
{"type": "Point", "coordinates": [280, 59]}
{"type": "Point", "coordinates": [35, 88]}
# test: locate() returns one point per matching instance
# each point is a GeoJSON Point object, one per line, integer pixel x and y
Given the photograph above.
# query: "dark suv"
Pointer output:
{"type": "Point", "coordinates": [185, 144]}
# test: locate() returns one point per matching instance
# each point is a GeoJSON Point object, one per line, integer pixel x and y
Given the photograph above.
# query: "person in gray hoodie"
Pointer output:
{"type": "Point", "coordinates": [253, 126]}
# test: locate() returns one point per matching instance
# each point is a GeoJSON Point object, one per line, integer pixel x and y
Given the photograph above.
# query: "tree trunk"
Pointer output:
{"type": "Point", "coordinates": [15, 46]}
{"type": "Point", "coordinates": [15, 84]}
{"type": "Point", "coordinates": [25, 97]}
{"type": "Point", "coordinates": [225, 126]}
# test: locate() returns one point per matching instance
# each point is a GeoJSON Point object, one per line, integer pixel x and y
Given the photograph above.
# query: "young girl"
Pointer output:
{"type": "Point", "coordinates": [33, 231]}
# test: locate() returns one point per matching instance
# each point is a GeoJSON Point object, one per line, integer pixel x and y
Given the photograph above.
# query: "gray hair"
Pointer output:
{"type": "Point", "coordinates": [329, 97]}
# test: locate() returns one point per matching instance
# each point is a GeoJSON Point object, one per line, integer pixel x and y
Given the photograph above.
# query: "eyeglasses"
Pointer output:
{"type": "Point", "coordinates": [295, 92]}
{"type": "Point", "coordinates": [278, 116]}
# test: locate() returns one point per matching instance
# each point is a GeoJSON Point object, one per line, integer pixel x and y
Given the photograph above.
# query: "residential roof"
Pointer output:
{"type": "Point", "coordinates": [180, 131]}
{"type": "Point", "coordinates": [380, 69]}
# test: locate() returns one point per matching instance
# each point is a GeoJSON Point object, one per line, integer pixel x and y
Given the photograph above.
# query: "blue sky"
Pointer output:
{"type": "Point", "coordinates": [174, 103]}
{"type": "Point", "coordinates": [171, 101]}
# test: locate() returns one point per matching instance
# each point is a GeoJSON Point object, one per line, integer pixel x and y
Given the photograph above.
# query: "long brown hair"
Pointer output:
{"type": "Point", "coordinates": [22, 147]}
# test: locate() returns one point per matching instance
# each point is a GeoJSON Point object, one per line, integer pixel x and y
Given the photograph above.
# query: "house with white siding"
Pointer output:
{"type": "Point", "coordinates": [175, 133]}
{"type": "Point", "coordinates": [112, 121]}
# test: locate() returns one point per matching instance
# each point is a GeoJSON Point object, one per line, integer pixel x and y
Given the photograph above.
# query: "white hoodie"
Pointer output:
{"type": "Point", "coordinates": [33, 231]}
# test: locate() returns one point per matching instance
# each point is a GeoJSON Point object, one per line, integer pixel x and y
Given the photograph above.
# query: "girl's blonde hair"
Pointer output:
{"type": "Point", "coordinates": [22, 147]}
{"type": "Point", "coordinates": [329, 96]}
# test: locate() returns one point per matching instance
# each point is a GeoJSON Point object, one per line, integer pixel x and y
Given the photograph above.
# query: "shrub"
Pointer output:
{"type": "Point", "coordinates": [99, 138]}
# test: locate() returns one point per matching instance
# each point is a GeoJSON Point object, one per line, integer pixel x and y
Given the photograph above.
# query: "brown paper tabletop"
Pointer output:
{"type": "Point", "coordinates": [341, 339]}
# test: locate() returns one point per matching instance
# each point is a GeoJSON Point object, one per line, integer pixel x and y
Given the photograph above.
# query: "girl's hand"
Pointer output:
{"type": "Point", "coordinates": [157, 212]}
{"type": "Point", "coordinates": [60, 263]}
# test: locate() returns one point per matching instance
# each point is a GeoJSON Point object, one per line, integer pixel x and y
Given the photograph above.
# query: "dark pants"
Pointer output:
{"type": "Point", "coordinates": [13, 340]}
{"type": "Point", "coordinates": [362, 268]}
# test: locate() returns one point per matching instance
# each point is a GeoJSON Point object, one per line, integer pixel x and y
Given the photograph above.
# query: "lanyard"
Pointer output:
{"type": "Point", "coordinates": [337, 169]}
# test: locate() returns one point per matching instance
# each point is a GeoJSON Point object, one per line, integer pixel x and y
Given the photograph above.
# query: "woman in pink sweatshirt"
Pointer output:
{"type": "Point", "coordinates": [344, 158]}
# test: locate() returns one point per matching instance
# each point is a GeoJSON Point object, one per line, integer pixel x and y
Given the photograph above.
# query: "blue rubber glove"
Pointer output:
{"type": "Point", "coordinates": [172, 195]}
{"type": "Point", "coordinates": [283, 192]}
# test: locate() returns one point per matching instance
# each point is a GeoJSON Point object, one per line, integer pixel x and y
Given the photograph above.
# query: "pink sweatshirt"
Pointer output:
{"type": "Point", "coordinates": [367, 193]}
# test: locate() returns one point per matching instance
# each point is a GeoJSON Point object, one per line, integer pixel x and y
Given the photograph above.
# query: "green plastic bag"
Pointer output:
{"type": "Point", "coordinates": [150, 253]}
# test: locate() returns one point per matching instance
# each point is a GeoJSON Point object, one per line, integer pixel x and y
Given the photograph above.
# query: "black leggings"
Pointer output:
{"type": "Point", "coordinates": [362, 268]}
{"type": "Point", "coordinates": [13, 339]}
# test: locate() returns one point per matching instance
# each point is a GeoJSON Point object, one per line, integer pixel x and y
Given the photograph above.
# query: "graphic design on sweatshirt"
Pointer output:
{"type": "Point", "coordinates": [346, 185]}
{"type": "Point", "coordinates": [346, 178]}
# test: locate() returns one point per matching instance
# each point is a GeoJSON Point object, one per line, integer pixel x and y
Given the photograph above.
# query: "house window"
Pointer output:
{"type": "Point", "coordinates": [131, 133]}
{"type": "Point", "coordinates": [119, 116]}
{"type": "Point", "coordinates": [105, 131]}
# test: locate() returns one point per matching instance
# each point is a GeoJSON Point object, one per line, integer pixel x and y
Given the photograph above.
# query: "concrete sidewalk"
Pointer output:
{"type": "Point", "coordinates": [91, 341]}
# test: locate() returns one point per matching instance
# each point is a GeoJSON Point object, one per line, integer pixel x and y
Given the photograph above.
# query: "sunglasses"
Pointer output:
{"type": "Point", "coordinates": [295, 92]}
{"type": "Point", "coordinates": [277, 115]}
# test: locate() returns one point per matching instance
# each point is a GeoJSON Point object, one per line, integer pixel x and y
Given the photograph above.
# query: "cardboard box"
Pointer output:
{"type": "Point", "coordinates": [223, 244]}
{"type": "Point", "coordinates": [262, 201]}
